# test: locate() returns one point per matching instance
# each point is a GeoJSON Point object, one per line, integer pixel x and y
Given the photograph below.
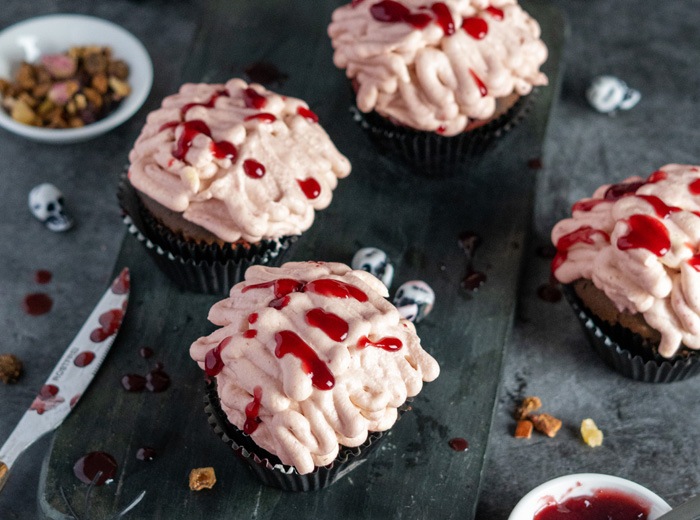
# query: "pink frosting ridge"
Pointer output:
{"type": "Point", "coordinates": [363, 361]}
{"type": "Point", "coordinates": [440, 76]}
{"type": "Point", "coordinates": [639, 242]}
{"type": "Point", "coordinates": [199, 154]}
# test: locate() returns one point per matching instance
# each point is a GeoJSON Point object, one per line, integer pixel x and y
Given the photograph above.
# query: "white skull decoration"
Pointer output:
{"type": "Point", "coordinates": [46, 204]}
{"type": "Point", "coordinates": [374, 261]}
{"type": "Point", "coordinates": [608, 93]}
{"type": "Point", "coordinates": [414, 300]}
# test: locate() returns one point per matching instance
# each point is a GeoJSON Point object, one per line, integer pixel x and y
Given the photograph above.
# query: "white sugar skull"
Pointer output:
{"type": "Point", "coordinates": [414, 300]}
{"type": "Point", "coordinates": [46, 204]}
{"type": "Point", "coordinates": [608, 93]}
{"type": "Point", "coordinates": [374, 261]}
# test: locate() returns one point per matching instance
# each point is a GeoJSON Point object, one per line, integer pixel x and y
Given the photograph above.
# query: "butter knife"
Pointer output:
{"type": "Point", "coordinates": [71, 375]}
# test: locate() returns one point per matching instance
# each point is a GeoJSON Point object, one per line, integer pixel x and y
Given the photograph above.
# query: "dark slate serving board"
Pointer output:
{"type": "Point", "coordinates": [416, 221]}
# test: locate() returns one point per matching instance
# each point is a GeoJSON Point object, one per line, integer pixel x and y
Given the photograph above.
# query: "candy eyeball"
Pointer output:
{"type": "Point", "coordinates": [414, 300]}
{"type": "Point", "coordinates": [374, 261]}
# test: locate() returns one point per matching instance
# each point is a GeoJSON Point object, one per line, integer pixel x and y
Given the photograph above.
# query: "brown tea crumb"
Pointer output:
{"type": "Point", "coordinates": [530, 404]}
{"type": "Point", "coordinates": [201, 478]}
{"type": "Point", "coordinates": [11, 368]}
{"type": "Point", "coordinates": [545, 423]}
{"type": "Point", "coordinates": [523, 430]}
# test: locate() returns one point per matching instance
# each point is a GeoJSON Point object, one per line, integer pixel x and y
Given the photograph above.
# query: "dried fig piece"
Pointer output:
{"type": "Point", "coordinates": [545, 423]}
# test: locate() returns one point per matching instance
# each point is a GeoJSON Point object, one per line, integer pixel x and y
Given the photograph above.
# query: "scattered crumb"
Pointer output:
{"type": "Point", "coordinates": [530, 404]}
{"type": "Point", "coordinates": [11, 368]}
{"type": "Point", "coordinates": [545, 423]}
{"type": "Point", "coordinates": [523, 430]}
{"type": "Point", "coordinates": [201, 478]}
{"type": "Point", "coordinates": [590, 433]}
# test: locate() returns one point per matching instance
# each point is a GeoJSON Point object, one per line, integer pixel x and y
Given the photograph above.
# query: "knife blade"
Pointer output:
{"type": "Point", "coordinates": [71, 375]}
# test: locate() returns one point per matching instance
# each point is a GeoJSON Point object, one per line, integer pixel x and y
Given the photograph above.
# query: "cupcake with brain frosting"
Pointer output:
{"type": "Point", "coordinates": [311, 363]}
{"type": "Point", "coordinates": [428, 75]}
{"type": "Point", "coordinates": [631, 257]}
{"type": "Point", "coordinates": [224, 176]}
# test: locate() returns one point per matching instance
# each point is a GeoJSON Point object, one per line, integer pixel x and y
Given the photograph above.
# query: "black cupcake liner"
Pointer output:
{"type": "Point", "coordinates": [202, 268]}
{"type": "Point", "coordinates": [269, 469]}
{"type": "Point", "coordinates": [433, 155]}
{"type": "Point", "coordinates": [637, 360]}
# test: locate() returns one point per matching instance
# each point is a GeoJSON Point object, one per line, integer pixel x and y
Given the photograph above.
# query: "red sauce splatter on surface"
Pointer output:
{"type": "Point", "coordinates": [264, 117]}
{"type": "Point", "coordinates": [208, 104]}
{"type": "Point", "coordinates": [36, 304]}
{"type": "Point", "coordinates": [308, 114]}
{"type": "Point", "coordinates": [48, 391]}
{"type": "Point", "coordinates": [146, 352]}
{"type": "Point", "coordinates": [657, 176]}
{"type": "Point", "coordinates": [389, 344]}
{"type": "Point", "coordinates": [84, 359]}
{"type": "Point", "coordinates": [110, 322]}
{"type": "Point", "coordinates": [444, 18]}
{"type": "Point", "coordinates": [254, 100]}
{"type": "Point", "coordinates": [475, 27]}
{"type": "Point", "coordinates": [146, 454]}
{"type": "Point", "coordinates": [581, 235]}
{"type": "Point", "coordinates": [250, 333]}
{"type": "Point", "coordinates": [645, 233]}
{"type": "Point", "coordinates": [392, 12]}
{"type": "Point", "coordinates": [480, 84]}
{"type": "Point", "coordinates": [157, 380]}
{"type": "Point", "coordinates": [549, 293]}
{"type": "Point", "coordinates": [603, 504]}
{"type": "Point", "coordinates": [473, 280]}
{"type": "Point", "coordinates": [253, 169]}
{"type": "Point", "coordinates": [310, 187]}
{"type": "Point", "coordinates": [46, 400]}
{"type": "Point", "coordinates": [133, 382]}
{"type": "Point", "coordinates": [334, 326]}
{"type": "Point", "coordinates": [252, 410]}
{"type": "Point", "coordinates": [458, 444]}
{"type": "Point", "coordinates": [87, 468]}
{"type": "Point", "coordinates": [74, 400]}
{"type": "Point", "coordinates": [42, 276]}
{"type": "Point", "coordinates": [223, 150]}
{"type": "Point", "coordinates": [335, 289]}
{"type": "Point", "coordinates": [661, 209]}
{"type": "Point", "coordinates": [213, 365]}
{"type": "Point", "coordinates": [289, 343]}
{"type": "Point", "coordinates": [694, 187]}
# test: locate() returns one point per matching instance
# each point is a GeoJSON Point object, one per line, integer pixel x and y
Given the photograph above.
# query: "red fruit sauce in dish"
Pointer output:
{"type": "Point", "coordinates": [603, 504]}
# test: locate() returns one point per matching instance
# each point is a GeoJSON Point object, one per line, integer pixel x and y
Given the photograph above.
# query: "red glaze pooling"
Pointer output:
{"type": "Point", "coordinates": [495, 12]}
{"type": "Point", "coordinates": [208, 104]}
{"type": "Point", "coordinates": [253, 99]}
{"type": "Point", "coordinates": [623, 189]}
{"type": "Point", "coordinates": [458, 444]}
{"type": "Point", "coordinates": [87, 468]}
{"type": "Point", "coordinates": [48, 391]}
{"type": "Point", "coordinates": [444, 18]}
{"type": "Point", "coordinates": [603, 504]}
{"type": "Point", "coordinates": [657, 176]}
{"type": "Point", "coordinates": [47, 399]}
{"type": "Point", "coordinates": [213, 365]}
{"type": "Point", "coordinates": [482, 88]}
{"type": "Point", "coordinates": [661, 209]}
{"type": "Point", "coordinates": [475, 27]}
{"type": "Point", "coordinates": [252, 410]}
{"type": "Point", "coordinates": [308, 114]}
{"type": "Point", "coordinates": [310, 187]}
{"type": "Point", "coordinates": [390, 11]}
{"type": "Point", "coordinates": [581, 235]}
{"type": "Point", "coordinates": [110, 321]}
{"type": "Point", "coordinates": [146, 454]}
{"type": "Point", "coordinates": [84, 359]}
{"type": "Point", "coordinates": [133, 382]}
{"type": "Point", "coordinates": [42, 276]}
{"type": "Point", "coordinates": [441, 129]}
{"type": "Point", "coordinates": [473, 280]}
{"type": "Point", "coordinates": [122, 283]}
{"type": "Point", "coordinates": [253, 318]}
{"type": "Point", "coordinates": [587, 205]}
{"type": "Point", "coordinates": [389, 344]}
{"type": "Point", "coordinates": [645, 233]}
{"type": "Point", "coordinates": [335, 289]}
{"type": "Point", "coordinates": [694, 187]}
{"type": "Point", "coordinates": [279, 303]}
{"type": "Point", "coordinates": [282, 286]}
{"type": "Point", "coordinates": [264, 117]}
{"type": "Point", "coordinates": [37, 304]}
{"type": "Point", "coordinates": [223, 150]}
{"type": "Point", "coordinates": [289, 343]}
{"type": "Point", "coordinates": [157, 380]}
{"type": "Point", "coordinates": [334, 326]}
{"type": "Point", "coordinates": [253, 168]}
{"type": "Point", "coordinates": [250, 333]}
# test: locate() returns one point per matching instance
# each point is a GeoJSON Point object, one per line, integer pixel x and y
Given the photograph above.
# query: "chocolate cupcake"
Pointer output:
{"type": "Point", "coordinates": [227, 176]}
{"type": "Point", "coordinates": [437, 83]}
{"type": "Point", "coordinates": [312, 365]}
{"type": "Point", "coordinates": [629, 256]}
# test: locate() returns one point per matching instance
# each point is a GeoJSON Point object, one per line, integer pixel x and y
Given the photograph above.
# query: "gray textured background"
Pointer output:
{"type": "Point", "coordinates": [651, 430]}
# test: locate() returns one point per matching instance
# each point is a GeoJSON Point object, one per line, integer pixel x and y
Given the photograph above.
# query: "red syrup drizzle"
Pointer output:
{"type": "Point", "coordinates": [307, 114]}
{"type": "Point", "coordinates": [393, 12]}
{"type": "Point", "coordinates": [444, 18]}
{"type": "Point", "coordinates": [252, 410]}
{"type": "Point", "coordinates": [146, 454]}
{"type": "Point", "coordinates": [253, 169]}
{"type": "Point", "coordinates": [581, 235]}
{"type": "Point", "coordinates": [282, 287]}
{"type": "Point", "coordinates": [264, 117]}
{"type": "Point", "coordinates": [645, 233]}
{"type": "Point", "coordinates": [587, 205]}
{"type": "Point", "coordinates": [334, 326]}
{"type": "Point", "coordinates": [253, 318]}
{"type": "Point", "coordinates": [458, 444]}
{"type": "Point", "coordinates": [191, 129]}
{"type": "Point", "coordinates": [310, 187]}
{"type": "Point", "coordinates": [694, 262]}
{"type": "Point", "coordinates": [623, 189]}
{"type": "Point", "coordinates": [223, 150]}
{"type": "Point", "coordinates": [146, 352]}
{"type": "Point", "coordinates": [495, 12]}
{"type": "Point", "coordinates": [208, 104]}
{"type": "Point", "coordinates": [84, 359]}
{"type": "Point", "coordinates": [657, 176]}
{"type": "Point", "coordinates": [603, 504]}
{"type": "Point", "coordinates": [87, 468]}
{"type": "Point", "coordinates": [133, 382]}
{"type": "Point", "coordinates": [47, 399]}
{"type": "Point", "coordinates": [475, 27]}
{"type": "Point", "coordinates": [110, 321]}
{"type": "Point", "coordinates": [389, 344]}
{"type": "Point", "coordinates": [213, 365]}
{"type": "Point", "coordinates": [36, 304]}
{"type": "Point", "coordinates": [254, 100]}
{"type": "Point", "coordinates": [42, 276]}
{"type": "Point", "coordinates": [279, 303]}
{"type": "Point", "coordinates": [480, 84]}
{"type": "Point", "coordinates": [289, 343]}
{"type": "Point", "coordinates": [661, 209]}
{"type": "Point", "coordinates": [694, 187]}
{"type": "Point", "coordinates": [335, 289]}
{"type": "Point", "coordinates": [251, 333]}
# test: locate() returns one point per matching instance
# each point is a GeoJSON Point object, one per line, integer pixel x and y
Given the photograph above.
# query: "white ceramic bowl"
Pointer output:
{"type": "Point", "coordinates": [568, 486]}
{"type": "Point", "coordinates": [30, 39]}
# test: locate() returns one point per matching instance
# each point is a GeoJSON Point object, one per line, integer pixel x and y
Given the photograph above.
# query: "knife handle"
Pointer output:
{"type": "Point", "coordinates": [4, 475]}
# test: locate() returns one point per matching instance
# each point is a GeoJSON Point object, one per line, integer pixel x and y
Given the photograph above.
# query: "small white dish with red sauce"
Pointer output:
{"type": "Point", "coordinates": [629, 498]}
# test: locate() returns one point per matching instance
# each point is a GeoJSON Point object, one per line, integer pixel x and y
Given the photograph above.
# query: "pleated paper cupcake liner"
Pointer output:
{"type": "Point", "coordinates": [430, 154]}
{"type": "Point", "coordinates": [202, 268]}
{"type": "Point", "coordinates": [269, 469]}
{"type": "Point", "coordinates": [629, 353]}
